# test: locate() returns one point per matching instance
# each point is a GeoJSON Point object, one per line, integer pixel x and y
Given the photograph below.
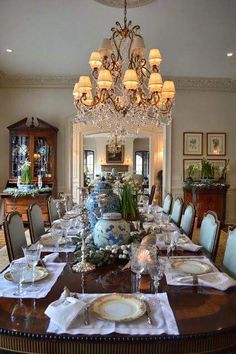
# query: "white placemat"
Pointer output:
{"type": "Point", "coordinates": [188, 246]}
{"type": "Point", "coordinates": [161, 313]}
{"type": "Point", "coordinates": [214, 279]}
{"type": "Point", "coordinates": [7, 288]}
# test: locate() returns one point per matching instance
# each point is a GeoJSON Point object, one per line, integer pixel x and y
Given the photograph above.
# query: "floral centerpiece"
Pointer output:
{"type": "Point", "coordinates": [25, 173]}
{"type": "Point", "coordinates": [128, 193]}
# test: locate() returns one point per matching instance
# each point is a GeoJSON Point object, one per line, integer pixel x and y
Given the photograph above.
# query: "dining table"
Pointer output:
{"type": "Point", "coordinates": [205, 317]}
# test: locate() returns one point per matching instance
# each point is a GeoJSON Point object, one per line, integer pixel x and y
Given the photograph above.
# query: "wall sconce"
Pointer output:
{"type": "Point", "coordinates": [128, 160]}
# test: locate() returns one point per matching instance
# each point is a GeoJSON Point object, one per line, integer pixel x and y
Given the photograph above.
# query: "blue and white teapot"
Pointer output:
{"type": "Point", "coordinates": [111, 229]}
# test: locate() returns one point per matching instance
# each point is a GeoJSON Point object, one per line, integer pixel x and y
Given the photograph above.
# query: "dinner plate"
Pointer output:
{"type": "Point", "coordinates": [40, 273]}
{"type": "Point", "coordinates": [118, 307]}
{"type": "Point", "coordinates": [193, 267]}
{"type": "Point", "coordinates": [183, 239]}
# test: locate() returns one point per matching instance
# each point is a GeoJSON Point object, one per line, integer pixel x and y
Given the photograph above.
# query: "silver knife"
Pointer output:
{"type": "Point", "coordinates": [148, 313]}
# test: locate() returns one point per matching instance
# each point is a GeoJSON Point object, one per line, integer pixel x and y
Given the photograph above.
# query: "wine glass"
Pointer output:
{"type": "Point", "coordinates": [17, 270]}
{"type": "Point", "coordinates": [56, 236]}
{"type": "Point", "coordinates": [32, 256]}
{"type": "Point", "coordinates": [156, 272]}
{"type": "Point", "coordinates": [65, 225]}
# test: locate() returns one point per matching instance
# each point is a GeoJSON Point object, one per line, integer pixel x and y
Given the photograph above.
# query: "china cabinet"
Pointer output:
{"type": "Point", "coordinates": [35, 141]}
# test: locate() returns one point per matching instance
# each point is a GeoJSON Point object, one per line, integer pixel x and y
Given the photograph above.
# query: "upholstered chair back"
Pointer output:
{"type": "Point", "coordinates": [209, 234]}
{"type": "Point", "coordinates": [187, 220]}
{"type": "Point", "coordinates": [153, 190]}
{"type": "Point", "coordinates": [36, 223]}
{"type": "Point", "coordinates": [14, 235]}
{"type": "Point", "coordinates": [229, 261]}
{"type": "Point", "coordinates": [167, 203]}
{"type": "Point", "coordinates": [177, 211]}
{"type": "Point", "coordinates": [52, 210]}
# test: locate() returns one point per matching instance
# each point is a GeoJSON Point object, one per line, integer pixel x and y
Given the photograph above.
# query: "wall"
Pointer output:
{"type": "Point", "coordinates": [195, 110]}
{"type": "Point", "coordinates": [204, 111]}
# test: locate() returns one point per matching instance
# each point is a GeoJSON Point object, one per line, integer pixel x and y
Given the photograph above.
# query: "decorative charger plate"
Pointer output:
{"type": "Point", "coordinates": [40, 273]}
{"type": "Point", "coordinates": [118, 307]}
{"type": "Point", "coordinates": [192, 267]}
{"type": "Point", "coordinates": [183, 239]}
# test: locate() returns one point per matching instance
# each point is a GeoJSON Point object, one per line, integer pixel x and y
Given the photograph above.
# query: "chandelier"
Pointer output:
{"type": "Point", "coordinates": [124, 91]}
{"type": "Point", "coordinates": [115, 142]}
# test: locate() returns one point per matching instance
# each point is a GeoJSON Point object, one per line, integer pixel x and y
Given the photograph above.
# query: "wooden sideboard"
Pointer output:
{"type": "Point", "coordinates": [21, 204]}
{"type": "Point", "coordinates": [207, 198]}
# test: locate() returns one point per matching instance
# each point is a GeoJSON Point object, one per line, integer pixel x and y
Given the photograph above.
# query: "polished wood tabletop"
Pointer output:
{"type": "Point", "coordinates": [206, 317]}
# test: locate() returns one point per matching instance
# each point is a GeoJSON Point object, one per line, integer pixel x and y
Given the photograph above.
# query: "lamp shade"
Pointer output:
{"type": "Point", "coordinates": [104, 79]}
{"type": "Point", "coordinates": [84, 84]}
{"type": "Point", "coordinates": [76, 92]}
{"type": "Point", "coordinates": [138, 46]}
{"type": "Point", "coordinates": [154, 57]}
{"type": "Point", "coordinates": [168, 89]}
{"type": "Point", "coordinates": [155, 82]}
{"type": "Point", "coordinates": [130, 80]}
{"type": "Point", "coordinates": [106, 48]}
{"type": "Point", "coordinates": [95, 60]}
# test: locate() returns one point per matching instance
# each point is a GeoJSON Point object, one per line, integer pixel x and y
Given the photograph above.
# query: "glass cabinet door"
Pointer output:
{"type": "Point", "coordinates": [19, 153]}
{"type": "Point", "coordinates": [42, 157]}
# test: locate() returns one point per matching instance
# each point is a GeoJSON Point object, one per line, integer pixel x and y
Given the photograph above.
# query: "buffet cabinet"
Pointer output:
{"type": "Point", "coordinates": [207, 198]}
{"type": "Point", "coordinates": [35, 141]}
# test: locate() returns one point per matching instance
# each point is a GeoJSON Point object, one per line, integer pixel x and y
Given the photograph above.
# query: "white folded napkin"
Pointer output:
{"type": "Point", "coordinates": [217, 280]}
{"type": "Point", "coordinates": [63, 311]}
{"type": "Point", "coordinates": [50, 258]}
{"type": "Point", "coordinates": [150, 225]}
{"type": "Point", "coordinates": [188, 246]}
{"type": "Point", "coordinates": [148, 217]}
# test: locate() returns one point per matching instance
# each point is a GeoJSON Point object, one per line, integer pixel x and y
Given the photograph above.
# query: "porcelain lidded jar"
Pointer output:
{"type": "Point", "coordinates": [111, 229]}
{"type": "Point", "coordinates": [112, 201]}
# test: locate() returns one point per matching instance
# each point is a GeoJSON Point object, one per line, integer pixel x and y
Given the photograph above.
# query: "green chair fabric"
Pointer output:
{"type": "Point", "coordinates": [187, 220]}
{"type": "Point", "coordinates": [209, 234]}
{"type": "Point", "coordinates": [229, 261]}
{"type": "Point", "coordinates": [36, 223]}
{"type": "Point", "coordinates": [177, 211]}
{"type": "Point", "coordinates": [167, 204]}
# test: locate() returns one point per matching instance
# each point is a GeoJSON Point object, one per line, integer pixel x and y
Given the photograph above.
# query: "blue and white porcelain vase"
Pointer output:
{"type": "Point", "coordinates": [112, 201]}
{"type": "Point", "coordinates": [111, 229]}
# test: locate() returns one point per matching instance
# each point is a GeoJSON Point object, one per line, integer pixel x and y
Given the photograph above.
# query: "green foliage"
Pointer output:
{"type": "Point", "coordinates": [15, 192]}
{"type": "Point", "coordinates": [129, 203]}
{"type": "Point", "coordinates": [207, 169]}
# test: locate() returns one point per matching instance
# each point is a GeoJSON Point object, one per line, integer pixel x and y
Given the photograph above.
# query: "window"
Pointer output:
{"type": "Point", "coordinates": [142, 163]}
{"type": "Point", "coordinates": [88, 166]}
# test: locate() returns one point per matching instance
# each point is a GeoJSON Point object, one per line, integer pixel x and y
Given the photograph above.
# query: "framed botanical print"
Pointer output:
{"type": "Point", "coordinates": [218, 166]}
{"type": "Point", "coordinates": [117, 157]}
{"type": "Point", "coordinates": [192, 169]}
{"type": "Point", "coordinates": [216, 144]}
{"type": "Point", "coordinates": [193, 143]}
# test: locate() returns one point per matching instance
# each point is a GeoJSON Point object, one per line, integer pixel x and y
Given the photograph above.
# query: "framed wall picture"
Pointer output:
{"type": "Point", "coordinates": [218, 165]}
{"type": "Point", "coordinates": [193, 143]}
{"type": "Point", "coordinates": [216, 144]}
{"type": "Point", "coordinates": [192, 169]}
{"type": "Point", "coordinates": [115, 158]}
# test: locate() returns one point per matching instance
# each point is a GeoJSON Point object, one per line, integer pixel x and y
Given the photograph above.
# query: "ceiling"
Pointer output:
{"type": "Point", "coordinates": [56, 37]}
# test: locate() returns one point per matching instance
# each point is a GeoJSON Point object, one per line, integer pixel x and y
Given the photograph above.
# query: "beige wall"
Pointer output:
{"type": "Point", "coordinates": [194, 111]}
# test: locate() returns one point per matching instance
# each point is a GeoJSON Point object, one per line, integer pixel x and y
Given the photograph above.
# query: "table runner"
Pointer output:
{"type": "Point", "coordinates": [7, 288]}
{"type": "Point", "coordinates": [161, 312]}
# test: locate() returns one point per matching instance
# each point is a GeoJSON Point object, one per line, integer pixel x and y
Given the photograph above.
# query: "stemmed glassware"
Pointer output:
{"type": "Point", "coordinates": [32, 256]}
{"type": "Point", "coordinates": [18, 270]}
{"type": "Point", "coordinates": [156, 272]}
{"type": "Point", "coordinates": [57, 236]}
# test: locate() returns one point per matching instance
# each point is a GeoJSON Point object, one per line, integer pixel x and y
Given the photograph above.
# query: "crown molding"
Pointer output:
{"type": "Point", "coordinates": [61, 81]}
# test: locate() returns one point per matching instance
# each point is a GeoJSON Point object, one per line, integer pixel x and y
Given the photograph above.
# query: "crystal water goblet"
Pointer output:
{"type": "Point", "coordinates": [32, 256]}
{"type": "Point", "coordinates": [17, 270]}
{"type": "Point", "coordinates": [156, 272]}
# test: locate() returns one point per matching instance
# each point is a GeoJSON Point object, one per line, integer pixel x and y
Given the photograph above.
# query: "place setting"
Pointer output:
{"type": "Point", "coordinates": [30, 276]}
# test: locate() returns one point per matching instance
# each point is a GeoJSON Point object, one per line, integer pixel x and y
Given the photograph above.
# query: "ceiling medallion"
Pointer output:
{"type": "Point", "coordinates": [126, 90]}
{"type": "Point", "coordinates": [120, 3]}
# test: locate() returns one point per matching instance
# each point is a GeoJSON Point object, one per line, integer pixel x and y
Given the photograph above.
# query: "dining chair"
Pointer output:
{"type": "Point", "coordinates": [177, 211]}
{"type": "Point", "coordinates": [52, 210]}
{"type": "Point", "coordinates": [167, 203]}
{"type": "Point", "coordinates": [14, 235]}
{"type": "Point", "coordinates": [36, 223]}
{"type": "Point", "coordinates": [229, 261]}
{"type": "Point", "coordinates": [187, 220]}
{"type": "Point", "coordinates": [151, 196]}
{"type": "Point", "coordinates": [209, 234]}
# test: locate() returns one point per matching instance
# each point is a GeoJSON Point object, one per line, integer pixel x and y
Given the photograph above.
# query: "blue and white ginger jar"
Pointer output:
{"type": "Point", "coordinates": [110, 230]}
{"type": "Point", "coordinates": [113, 203]}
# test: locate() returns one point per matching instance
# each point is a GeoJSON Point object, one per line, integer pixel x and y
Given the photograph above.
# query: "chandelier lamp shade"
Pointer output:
{"type": "Point", "coordinates": [126, 88]}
